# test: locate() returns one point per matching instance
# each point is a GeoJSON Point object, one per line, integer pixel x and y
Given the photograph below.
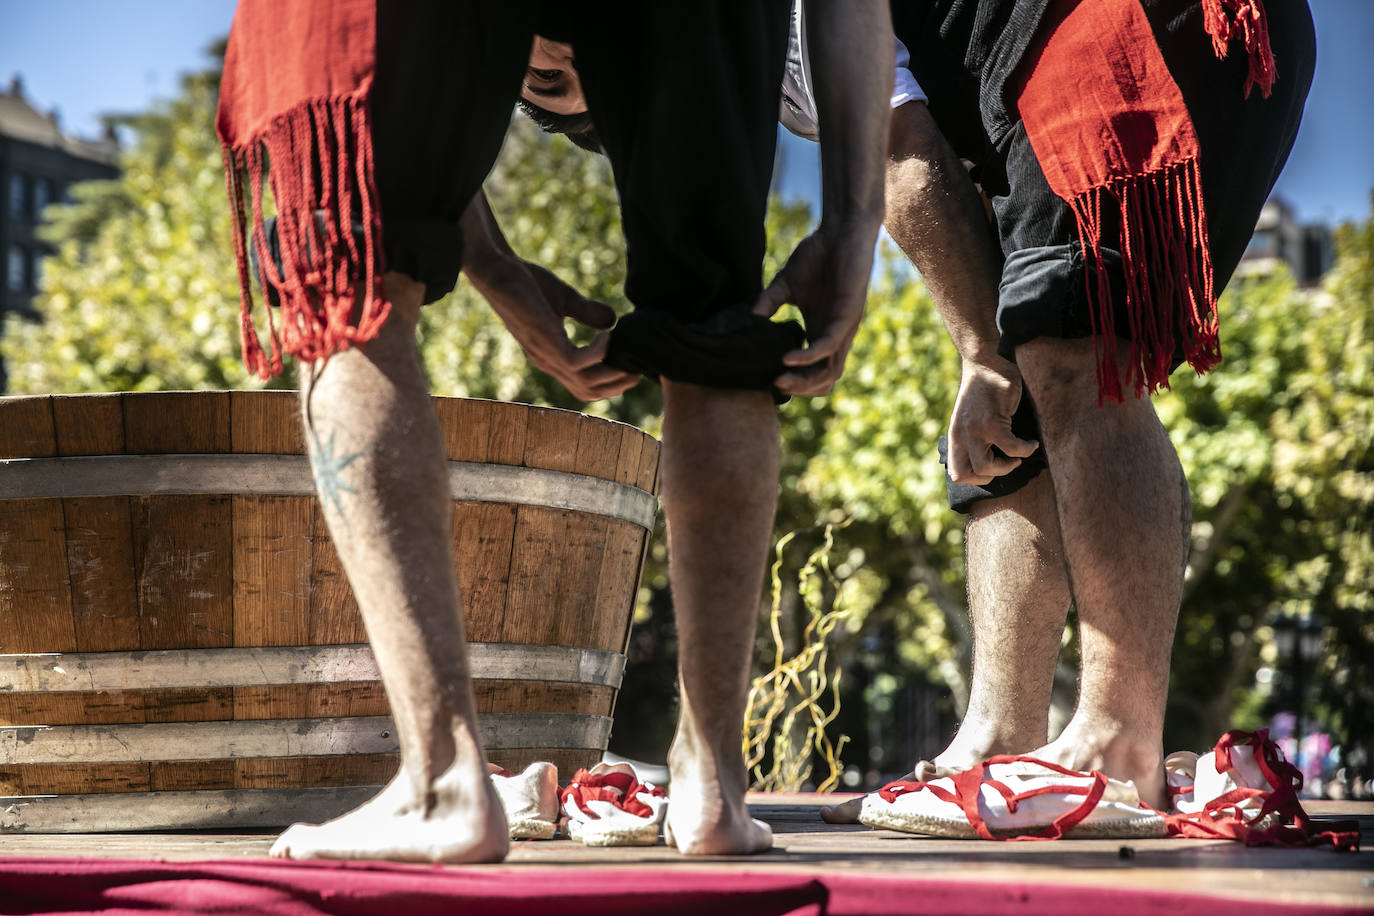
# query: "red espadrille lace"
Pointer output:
{"type": "Point", "coordinates": [1256, 815]}
{"type": "Point", "coordinates": [968, 786]}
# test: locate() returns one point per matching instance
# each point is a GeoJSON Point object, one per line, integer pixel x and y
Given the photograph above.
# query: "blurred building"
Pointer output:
{"type": "Point", "coordinates": [38, 162]}
{"type": "Point", "coordinates": [1280, 239]}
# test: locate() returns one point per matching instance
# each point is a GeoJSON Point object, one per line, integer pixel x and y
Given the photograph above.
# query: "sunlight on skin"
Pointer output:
{"type": "Point", "coordinates": [551, 80]}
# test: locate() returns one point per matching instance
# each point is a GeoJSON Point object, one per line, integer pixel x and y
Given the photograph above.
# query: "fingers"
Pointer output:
{"type": "Point", "coordinates": [981, 463]}
{"type": "Point", "coordinates": [588, 378]}
{"type": "Point", "coordinates": [810, 384]}
{"type": "Point", "coordinates": [774, 297]}
{"type": "Point", "coordinates": [589, 312]}
{"type": "Point", "coordinates": [989, 455]}
{"type": "Point", "coordinates": [816, 368]}
{"type": "Point", "coordinates": [569, 302]}
{"type": "Point", "coordinates": [823, 348]}
{"type": "Point", "coordinates": [814, 380]}
{"type": "Point", "coordinates": [590, 355]}
{"type": "Point", "coordinates": [1014, 446]}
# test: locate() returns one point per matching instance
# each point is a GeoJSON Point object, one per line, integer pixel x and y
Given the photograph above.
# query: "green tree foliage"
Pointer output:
{"type": "Point", "coordinates": [142, 291]}
{"type": "Point", "coordinates": [1277, 446]}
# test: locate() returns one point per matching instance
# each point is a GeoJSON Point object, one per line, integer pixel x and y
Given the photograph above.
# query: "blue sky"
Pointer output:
{"type": "Point", "coordinates": [85, 57]}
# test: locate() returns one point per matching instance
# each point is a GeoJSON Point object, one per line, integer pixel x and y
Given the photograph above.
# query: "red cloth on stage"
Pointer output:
{"type": "Point", "coordinates": [110, 887]}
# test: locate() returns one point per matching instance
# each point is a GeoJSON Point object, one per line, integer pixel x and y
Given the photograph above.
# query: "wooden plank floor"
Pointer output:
{"type": "Point", "coordinates": [806, 845]}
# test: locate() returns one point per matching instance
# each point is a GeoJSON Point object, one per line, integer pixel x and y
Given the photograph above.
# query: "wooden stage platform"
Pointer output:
{"type": "Point", "coordinates": [1224, 877]}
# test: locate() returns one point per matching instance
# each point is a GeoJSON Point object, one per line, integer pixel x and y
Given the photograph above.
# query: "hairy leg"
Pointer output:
{"type": "Point", "coordinates": [720, 485]}
{"type": "Point", "coordinates": [1018, 597]}
{"type": "Point", "coordinates": [1018, 594]}
{"type": "Point", "coordinates": [379, 468]}
{"type": "Point", "coordinates": [1123, 509]}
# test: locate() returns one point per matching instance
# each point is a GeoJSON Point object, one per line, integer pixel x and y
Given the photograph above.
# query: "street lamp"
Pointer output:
{"type": "Point", "coordinates": [1298, 638]}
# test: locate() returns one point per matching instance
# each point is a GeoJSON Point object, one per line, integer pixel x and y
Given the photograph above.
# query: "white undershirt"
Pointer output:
{"type": "Point", "coordinates": [797, 112]}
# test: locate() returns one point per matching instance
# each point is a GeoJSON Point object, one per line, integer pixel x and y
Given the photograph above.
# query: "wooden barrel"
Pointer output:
{"type": "Point", "coordinates": [179, 647]}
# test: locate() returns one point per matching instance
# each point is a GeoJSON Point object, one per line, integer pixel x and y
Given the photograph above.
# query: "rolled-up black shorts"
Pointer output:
{"type": "Point", "coordinates": [685, 97]}
{"type": "Point", "coordinates": [1244, 144]}
{"type": "Point", "coordinates": [963, 496]}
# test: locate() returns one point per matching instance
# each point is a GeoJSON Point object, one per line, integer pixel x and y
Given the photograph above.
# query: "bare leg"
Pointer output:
{"type": "Point", "coordinates": [1123, 510]}
{"type": "Point", "coordinates": [1018, 595]}
{"type": "Point", "coordinates": [720, 484]}
{"type": "Point", "coordinates": [379, 467]}
{"type": "Point", "coordinates": [1018, 592]}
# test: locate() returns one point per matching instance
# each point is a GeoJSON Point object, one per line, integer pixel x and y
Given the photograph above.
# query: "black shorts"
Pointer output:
{"type": "Point", "coordinates": [1244, 144]}
{"type": "Point", "coordinates": [1025, 425]}
{"type": "Point", "coordinates": [685, 99]}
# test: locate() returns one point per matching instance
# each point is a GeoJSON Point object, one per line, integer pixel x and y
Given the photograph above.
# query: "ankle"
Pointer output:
{"type": "Point", "coordinates": [1113, 746]}
{"type": "Point", "coordinates": [982, 736]}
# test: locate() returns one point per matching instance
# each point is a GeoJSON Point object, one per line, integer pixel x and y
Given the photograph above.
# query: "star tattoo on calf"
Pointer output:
{"type": "Point", "coordinates": [329, 469]}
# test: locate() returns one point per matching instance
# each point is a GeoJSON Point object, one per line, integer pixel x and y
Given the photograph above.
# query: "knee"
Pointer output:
{"type": "Point", "coordinates": [1061, 376]}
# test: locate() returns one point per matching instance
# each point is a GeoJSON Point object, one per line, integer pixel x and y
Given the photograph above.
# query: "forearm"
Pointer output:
{"type": "Point", "coordinates": [851, 61]}
{"type": "Point", "coordinates": [936, 216]}
{"type": "Point", "coordinates": [485, 249]}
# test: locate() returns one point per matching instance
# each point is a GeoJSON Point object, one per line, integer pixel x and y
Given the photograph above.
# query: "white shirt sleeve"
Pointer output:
{"type": "Point", "coordinates": [904, 86]}
{"type": "Point", "coordinates": [797, 111]}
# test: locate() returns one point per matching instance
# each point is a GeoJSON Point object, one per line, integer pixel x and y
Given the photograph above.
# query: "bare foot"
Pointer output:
{"type": "Point", "coordinates": [461, 821]}
{"type": "Point", "coordinates": [701, 823]}
{"type": "Point", "coordinates": [707, 815]}
{"type": "Point", "coordinates": [1117, 754]}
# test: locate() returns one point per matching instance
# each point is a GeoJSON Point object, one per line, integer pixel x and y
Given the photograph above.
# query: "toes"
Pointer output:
{"type": "Point", "coordinates": [282, 848]}
{"type": "Point", "coordinates": [927, 770]}
{"type": "Point", "coordinates": [843, 813]}
{"type": "Point", "coordinates": [763, 836]}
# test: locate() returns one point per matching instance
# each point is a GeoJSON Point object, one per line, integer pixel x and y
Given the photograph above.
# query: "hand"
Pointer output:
{"type": "Point", "coordinates": [981, 443]}
{"type": "Point", "coordinates": [532, 303]}
{"type": "Point", "coordinates": [827, 278]}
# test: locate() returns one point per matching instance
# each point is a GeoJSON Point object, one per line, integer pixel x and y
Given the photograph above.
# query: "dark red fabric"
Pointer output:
{"type": "Point", "coordinates": [271, 888]}
{"type": "Point", "coordinates": [295, 95]}
{"type": "Point", "coordinates": [1114, 139]}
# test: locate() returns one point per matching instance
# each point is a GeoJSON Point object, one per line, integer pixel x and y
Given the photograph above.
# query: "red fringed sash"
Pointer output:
{"type": "Point", "coordinates": [295, 94]}
{"type": "Point", "coordinates": [1225, 19]}
{"type": "Point", "coordinates": [1113, 136]}
{"type": "Point", "coordinates": [1111, 132]}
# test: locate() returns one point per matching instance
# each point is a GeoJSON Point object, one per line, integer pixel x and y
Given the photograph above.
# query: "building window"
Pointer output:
{"type": "Point", "coordinates": [15, 269]}
{"type": "Point", "coordinates": [42, 196]}
{"type": "Point", "coordinates": [19, 197]}
{"type": "Point", "coordinates": [35, 273]}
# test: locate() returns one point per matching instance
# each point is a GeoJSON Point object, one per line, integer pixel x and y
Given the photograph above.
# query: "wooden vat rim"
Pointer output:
{"type": "Point", "coordinates": [290, 475]}
{"type": "Point", "coordinates": [121, 812]}
{"type": "Point", "coordinates": [163, 742]}
{"type": "Point", "coordinates": [254, 666]}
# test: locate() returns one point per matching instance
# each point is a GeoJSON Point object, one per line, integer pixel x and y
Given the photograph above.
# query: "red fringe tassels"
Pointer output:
{"type": "Point", "coordinates": [1168, 271]}
{"type": "Point", "coordinates": [1226, 19]}
{"type": "Point", "coordinates": [322, 177]}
